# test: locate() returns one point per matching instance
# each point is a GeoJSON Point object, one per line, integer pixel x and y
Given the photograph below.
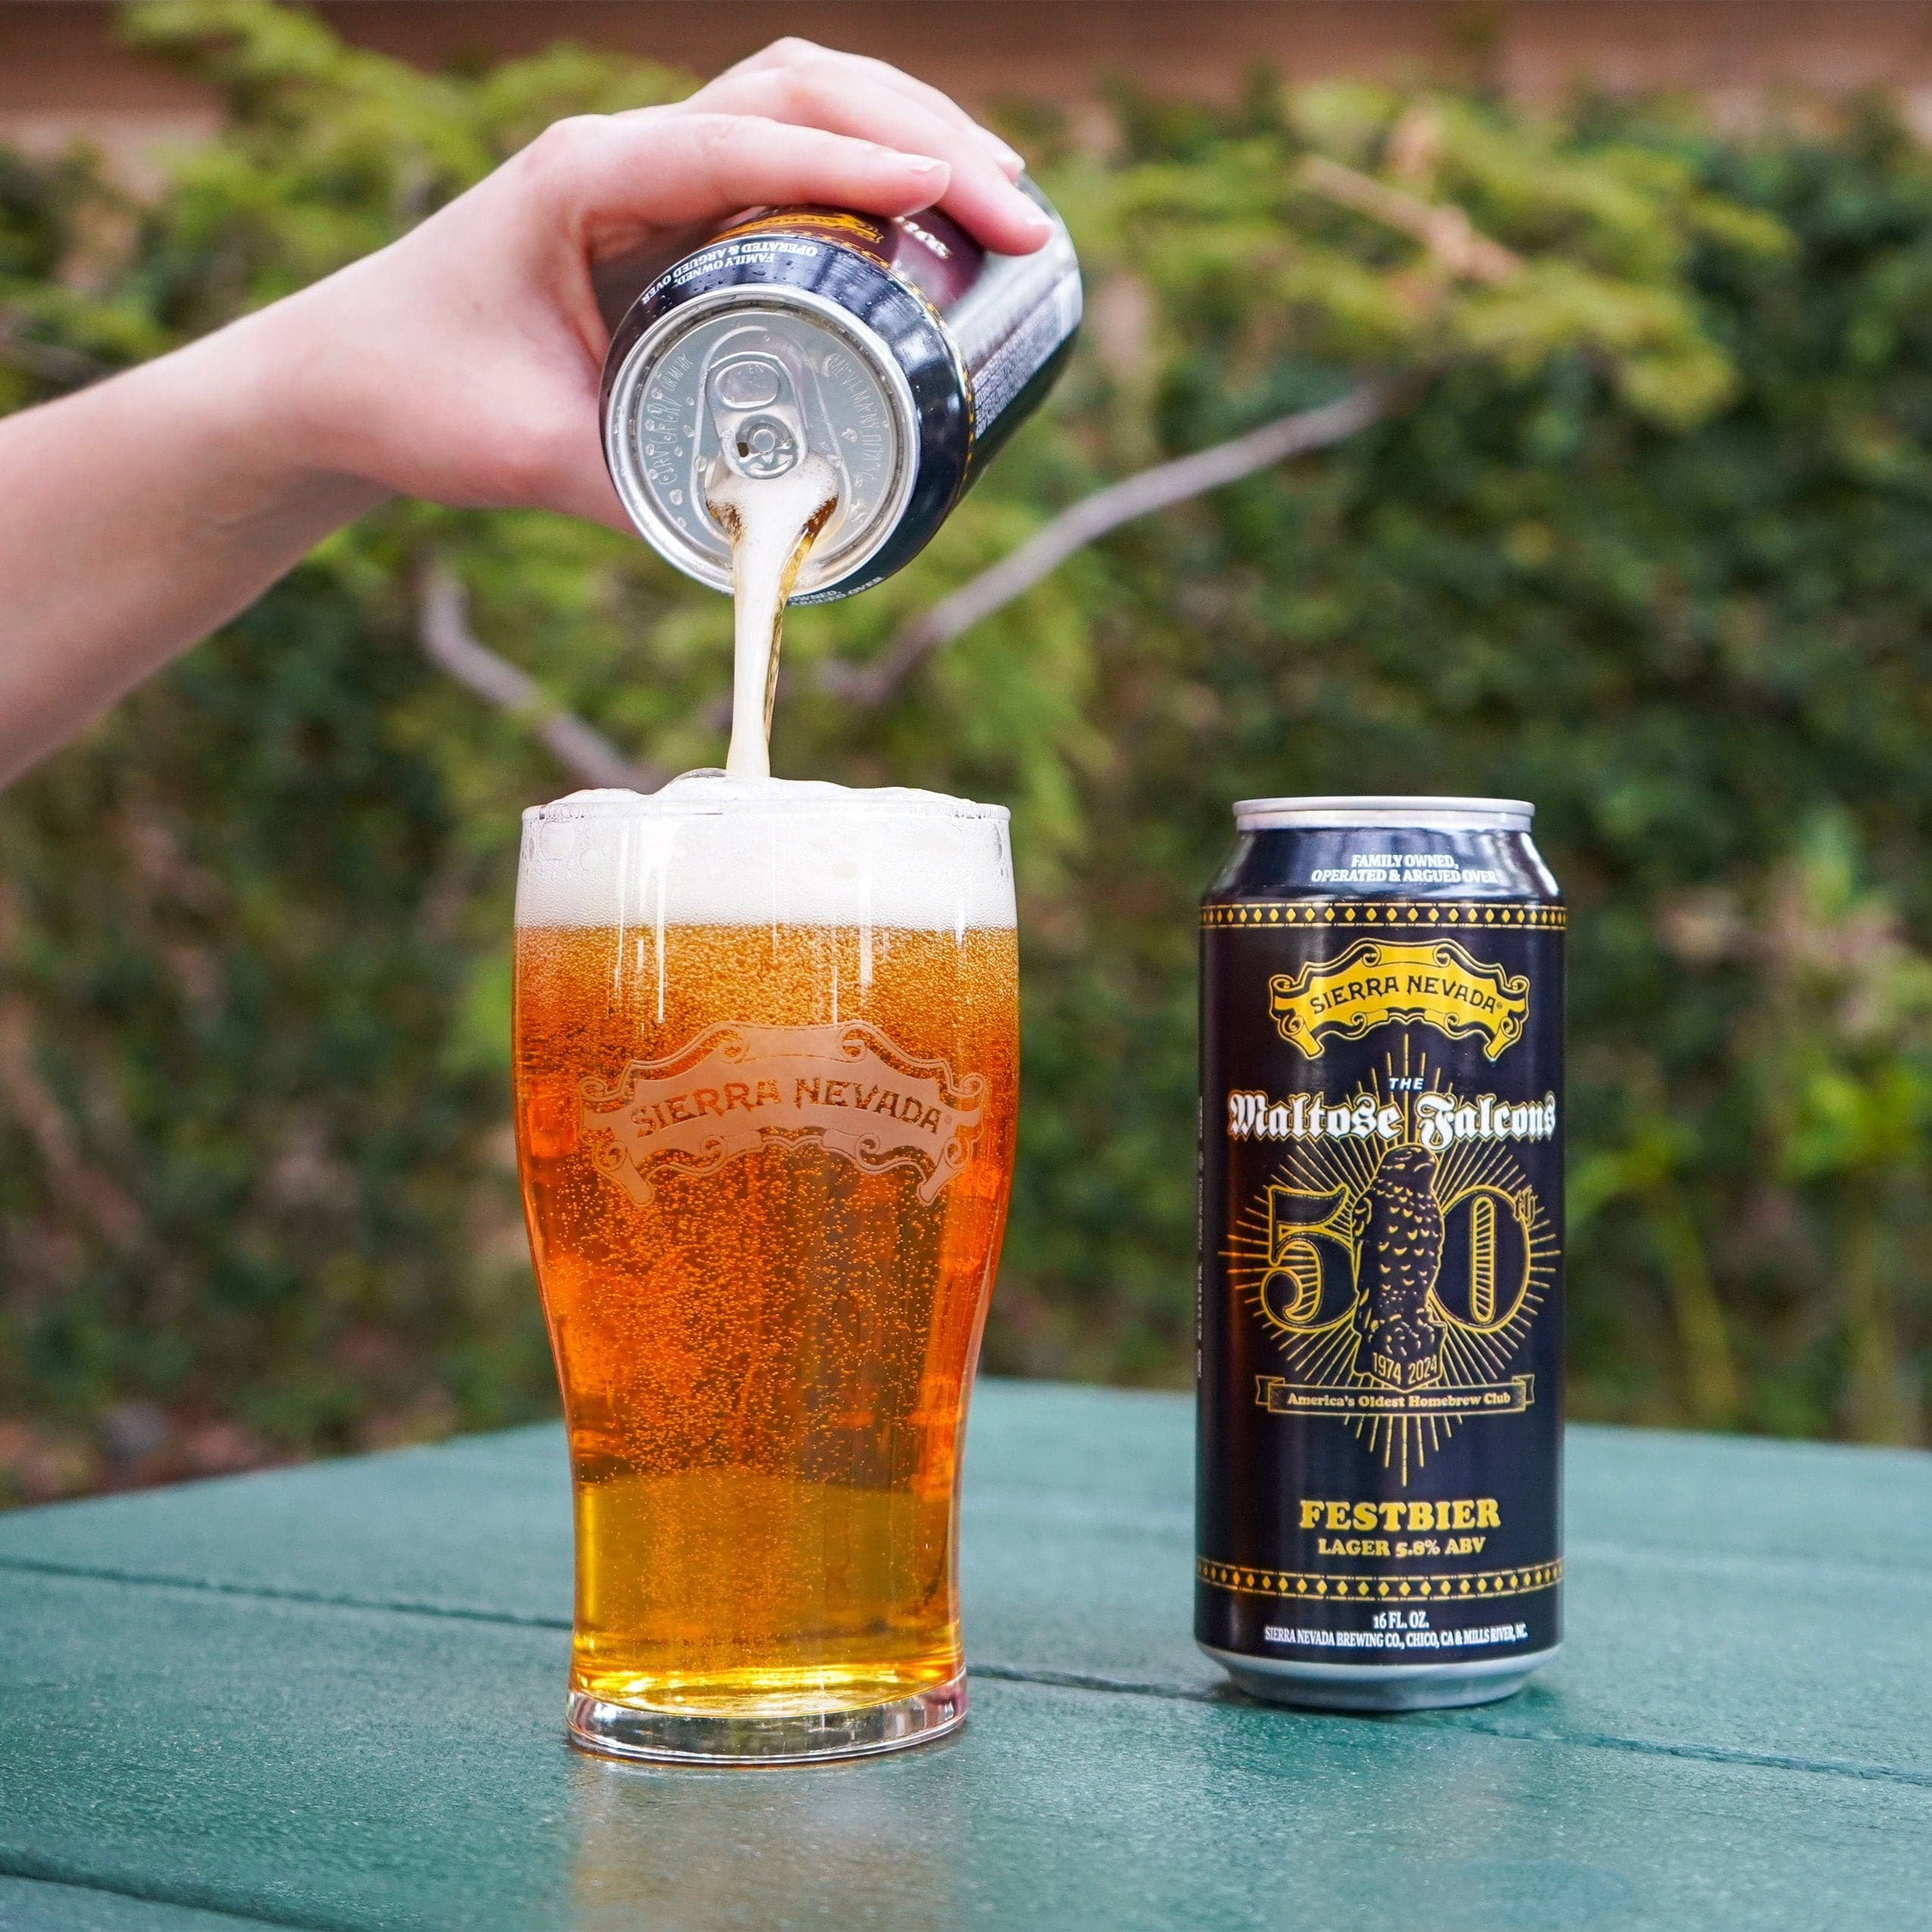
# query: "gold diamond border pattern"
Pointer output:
{"type": "Point", "coordinates": [1469, 1586]}
{"type": "Point", "coordinates": [1387, 914]}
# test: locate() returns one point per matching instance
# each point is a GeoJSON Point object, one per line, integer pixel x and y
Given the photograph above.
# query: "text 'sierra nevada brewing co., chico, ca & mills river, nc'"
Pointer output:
{"type": "Point", "coordinates": [1380, 1338]}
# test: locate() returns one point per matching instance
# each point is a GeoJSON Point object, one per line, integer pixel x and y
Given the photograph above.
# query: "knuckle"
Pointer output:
{"type": "Point", "coordinates": [717, 137]}
{"type": "Point", "coordinates": [560, 150]}
{"type": "Point", "coordinates": [808, 88]}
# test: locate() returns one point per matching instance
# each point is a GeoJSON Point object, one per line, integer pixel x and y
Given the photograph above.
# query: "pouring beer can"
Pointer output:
{"type": "Point", "coordinates": [1379, 1330]}
{"type": "Point", "coordinates": [899, 351]}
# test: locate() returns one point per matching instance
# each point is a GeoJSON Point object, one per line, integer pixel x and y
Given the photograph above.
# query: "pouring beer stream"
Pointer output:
{"type": "Point", "coordinates": [773, 521]}
{"type": "Point", "coordinates": [792, 410]}
{"type": "Point", "coordinates": [766, 1032]}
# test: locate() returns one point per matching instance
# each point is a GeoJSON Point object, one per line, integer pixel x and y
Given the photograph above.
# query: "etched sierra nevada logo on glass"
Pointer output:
{"type": "Point", "coordinates": [844, 1087]}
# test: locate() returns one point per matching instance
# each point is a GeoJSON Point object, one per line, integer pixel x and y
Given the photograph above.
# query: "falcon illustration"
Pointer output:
{"type": "Point", "coordinates": [1400, 1255]}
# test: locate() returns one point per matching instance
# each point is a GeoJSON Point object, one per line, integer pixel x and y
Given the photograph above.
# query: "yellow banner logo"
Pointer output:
{"type": "Point", "coordinates": [1436, 983]}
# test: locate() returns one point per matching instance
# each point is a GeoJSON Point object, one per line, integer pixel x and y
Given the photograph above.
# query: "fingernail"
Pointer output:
{"type": "Point", "coordinates": [926, 170]}
{"type": "Point", "coordinates": [1010, 158]}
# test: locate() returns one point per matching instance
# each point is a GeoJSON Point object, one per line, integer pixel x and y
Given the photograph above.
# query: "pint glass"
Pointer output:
{"type": "Point", "coordinates": [766, 1071]}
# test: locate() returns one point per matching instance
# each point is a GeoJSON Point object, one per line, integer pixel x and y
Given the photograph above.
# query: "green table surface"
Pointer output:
{"type": "Point", "coordinates": [332, 1697]}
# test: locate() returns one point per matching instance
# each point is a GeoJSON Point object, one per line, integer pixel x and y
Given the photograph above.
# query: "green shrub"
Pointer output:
{"type": "Point", "coordinates": [1647, 538]}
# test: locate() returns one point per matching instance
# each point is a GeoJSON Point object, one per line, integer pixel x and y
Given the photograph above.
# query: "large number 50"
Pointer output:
{"type": "Point", "coordinates": [1313, 1241]}
{"type": "Point", "coordinates": [1488, 1258]}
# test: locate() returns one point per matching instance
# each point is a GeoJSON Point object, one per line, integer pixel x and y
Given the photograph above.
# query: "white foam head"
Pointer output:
{"type": "Point", "coordinates": [713, 850]}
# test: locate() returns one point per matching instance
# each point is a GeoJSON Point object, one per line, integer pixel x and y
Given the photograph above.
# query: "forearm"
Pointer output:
{"type": "Point", "coordinates": [139, 515]}
{"type": "Point", "coordinates": [460, 364]}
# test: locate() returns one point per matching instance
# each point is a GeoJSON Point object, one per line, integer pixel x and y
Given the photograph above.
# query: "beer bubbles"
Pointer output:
{"type": "Point", "coordinates": [767, 1052]}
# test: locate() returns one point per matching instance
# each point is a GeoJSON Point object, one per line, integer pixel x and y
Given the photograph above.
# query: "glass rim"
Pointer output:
{"type": "Point", "coordinates": [879, 802]}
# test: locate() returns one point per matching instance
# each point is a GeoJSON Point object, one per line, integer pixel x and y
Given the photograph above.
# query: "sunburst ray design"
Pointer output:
{"type": "Point", "coordinates": [1473, 1355]}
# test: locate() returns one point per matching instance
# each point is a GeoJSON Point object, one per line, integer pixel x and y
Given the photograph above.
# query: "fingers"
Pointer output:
{"type": "Point", "coordinates": [844, 100]}
{"type": "Point", "coordinates": [793, 52]}
{"type": "Point", "coordinates": [603, 178]}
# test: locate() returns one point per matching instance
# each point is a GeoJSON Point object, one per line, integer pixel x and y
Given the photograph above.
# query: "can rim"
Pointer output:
{"type": "Point", "coordinates": [1399, 811]}
{"type": "Point", "coordinates": [819, 569]}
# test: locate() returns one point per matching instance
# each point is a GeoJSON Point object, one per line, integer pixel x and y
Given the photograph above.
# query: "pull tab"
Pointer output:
{"type": "Point", "coordinates": [756, 410]}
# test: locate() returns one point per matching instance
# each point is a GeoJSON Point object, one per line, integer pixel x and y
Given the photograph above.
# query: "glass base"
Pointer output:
{"type": "Point", "coordinates": [683, 1737]}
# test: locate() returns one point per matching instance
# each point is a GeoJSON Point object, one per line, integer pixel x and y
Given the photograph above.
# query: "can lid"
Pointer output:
{"type": "Point", "coordinates": [1398, 812]}
{"type": "Point", "coordinates": [754, 377]}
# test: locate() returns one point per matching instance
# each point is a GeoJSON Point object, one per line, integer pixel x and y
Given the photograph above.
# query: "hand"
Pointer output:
{"type": "Point", "coordinates": [462, 363]}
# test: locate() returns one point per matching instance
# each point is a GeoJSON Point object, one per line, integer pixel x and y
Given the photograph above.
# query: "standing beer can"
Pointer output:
{"type": "Point", "coordinates": [1379, 1338]}
{"type": "Point", "coordinates": [899, 351]}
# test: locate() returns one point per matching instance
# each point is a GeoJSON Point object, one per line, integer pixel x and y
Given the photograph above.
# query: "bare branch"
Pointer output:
{"type": "Point", "coordinates": [442, 629]}
{"type": "Point", "coordinates": [1444, 230]}
{"type": "Point", "coordinates": [1138, 496]}
{"type": "Point", "coordinates": [51, 362]}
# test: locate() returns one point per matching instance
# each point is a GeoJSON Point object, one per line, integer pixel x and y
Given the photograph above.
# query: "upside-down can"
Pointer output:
{"type": "Point", "coordinates": [899, 351]}
{"type": "Point", "coordinates": [1379, 1336]}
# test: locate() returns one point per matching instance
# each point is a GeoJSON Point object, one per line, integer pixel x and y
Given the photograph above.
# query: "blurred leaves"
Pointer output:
{"type": "Point", "coordinates": [1651, 544]}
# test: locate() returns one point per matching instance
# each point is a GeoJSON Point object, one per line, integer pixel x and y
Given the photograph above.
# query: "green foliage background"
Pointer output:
{"type": "Point", "coordinates": [1647, 539]}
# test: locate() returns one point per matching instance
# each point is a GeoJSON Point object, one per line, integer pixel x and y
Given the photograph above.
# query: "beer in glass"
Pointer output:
{"type": "Point", "coordinates": [766, 1065]}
